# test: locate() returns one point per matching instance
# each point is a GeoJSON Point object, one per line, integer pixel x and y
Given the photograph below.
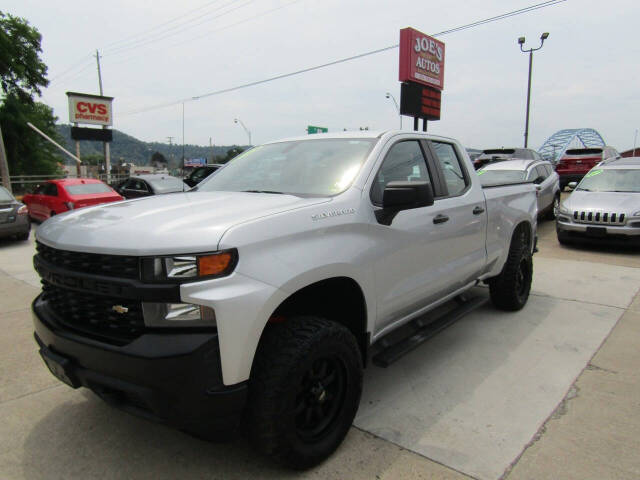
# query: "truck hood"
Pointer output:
{"type": "Point", "coordinates": [189, 222]}
{"type": "Point", "coordinates": [612, 202]}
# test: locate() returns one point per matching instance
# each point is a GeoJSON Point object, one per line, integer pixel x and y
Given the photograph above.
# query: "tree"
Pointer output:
{"type": "Point", "coordinates": [232, 152]}
{"type": "Point", "coordinates": [22, 75]}
{"type": "Point", "coordinates": [28, 152]}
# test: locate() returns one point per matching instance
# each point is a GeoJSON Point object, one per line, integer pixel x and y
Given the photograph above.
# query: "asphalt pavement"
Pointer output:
{"type": "Point", "coordinates": [548, 392]}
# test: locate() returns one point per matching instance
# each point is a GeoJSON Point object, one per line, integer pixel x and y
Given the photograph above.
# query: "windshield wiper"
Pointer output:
{"type": "Point", "coordinates": [263, 191]}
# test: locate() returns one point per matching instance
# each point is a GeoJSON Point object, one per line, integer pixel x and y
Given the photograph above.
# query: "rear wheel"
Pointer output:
{"type": "Point", "coordinates": [510, 290]}
{"type": "Point", "coordinates": [305, 389]}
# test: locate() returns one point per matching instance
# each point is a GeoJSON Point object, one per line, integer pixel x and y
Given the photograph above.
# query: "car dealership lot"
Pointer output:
{"type": "Point", "coordinates": [468, 402]}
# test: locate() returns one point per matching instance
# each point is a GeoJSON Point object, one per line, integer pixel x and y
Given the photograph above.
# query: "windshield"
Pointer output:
{"type": "Point", "coordinates": [87, 188]}
{"type": "Point", "coordinates": [611, 180]}
{"type": "Point", "coordinates": [5, 196]}
{"type": "Point", "coordinates": [500, 177]}
{"type": "Point", "coordinates": [304, 167]}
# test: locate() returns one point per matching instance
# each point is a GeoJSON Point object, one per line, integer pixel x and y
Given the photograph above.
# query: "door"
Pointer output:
{"type": "Point", "coordinates": [50, 201]}
{"type": "Point", "coordinates": [414, 264]}
{"type": "Point", "coordinates": [463, 202]}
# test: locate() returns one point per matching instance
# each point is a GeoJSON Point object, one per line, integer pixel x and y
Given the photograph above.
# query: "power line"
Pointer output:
{"type": "Point", "coordinates": [210, 32]}
{"type": "Point", "coordinates": [177, 29]}
{"type": "Point", "coordinates": [145, 32]}
{"type": "Point", "coordinates": [347, 59]}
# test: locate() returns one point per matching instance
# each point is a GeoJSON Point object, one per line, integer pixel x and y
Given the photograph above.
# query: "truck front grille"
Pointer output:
{"type": "Point", "coordinates": [95, 315]}
{"type": "Point", "coordinates": [599, 218]}
{"type": "Point", "coordinates": [122, 266]}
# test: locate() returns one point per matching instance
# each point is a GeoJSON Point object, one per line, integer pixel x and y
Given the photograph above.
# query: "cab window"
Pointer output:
{"type": "Point", "coordinates": [404, 162]}
{"type": "Point", "coordinates": [454, 173]}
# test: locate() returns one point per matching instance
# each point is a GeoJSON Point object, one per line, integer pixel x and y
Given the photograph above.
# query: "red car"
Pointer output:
{"type": "Point", "coordinates": [576, 162]}
{"type": "Point", "coordinates": [57, 196]}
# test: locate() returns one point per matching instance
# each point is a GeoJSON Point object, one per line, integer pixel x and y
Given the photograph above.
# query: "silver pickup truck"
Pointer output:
{"type": "Point", "coordinates": [257, 298]}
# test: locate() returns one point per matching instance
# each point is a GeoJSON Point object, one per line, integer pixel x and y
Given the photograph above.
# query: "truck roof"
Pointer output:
{"type": "Point", "coordinates": [360, 134]}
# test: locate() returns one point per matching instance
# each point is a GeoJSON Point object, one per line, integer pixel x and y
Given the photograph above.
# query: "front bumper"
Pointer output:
{"type": "Point", "coordinates": [597, 232]}
{"type": "Point", "coordinates": [173, 378]}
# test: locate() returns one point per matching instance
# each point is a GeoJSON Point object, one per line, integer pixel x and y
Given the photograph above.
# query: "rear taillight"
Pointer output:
{"type": "Point", "coordinates": [23, 210]}
{"type": "Point", "coordinates": [70, 205]}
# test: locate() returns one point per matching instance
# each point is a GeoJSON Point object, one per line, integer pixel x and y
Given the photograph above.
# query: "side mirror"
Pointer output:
{"type": "Point", "coordinates": [406, 195]}
{"type": "Point", "coordinates": [572, 185]}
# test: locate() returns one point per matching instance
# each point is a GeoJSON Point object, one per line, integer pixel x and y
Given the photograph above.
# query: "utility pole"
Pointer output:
{"type": "Point", "coordinates": [106, 149]}
{"type": "Point", "coordinates": [4, 165]}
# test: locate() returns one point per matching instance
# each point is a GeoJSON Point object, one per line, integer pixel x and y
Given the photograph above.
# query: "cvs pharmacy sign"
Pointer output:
{"type": "Point", "coordinates": [92, 109]}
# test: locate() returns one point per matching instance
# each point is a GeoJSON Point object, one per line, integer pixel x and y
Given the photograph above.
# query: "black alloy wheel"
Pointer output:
{"type": "Point", "coordinates": [320, 397]}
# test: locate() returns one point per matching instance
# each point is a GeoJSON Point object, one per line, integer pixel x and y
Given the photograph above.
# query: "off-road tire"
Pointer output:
{"type": "Point", "coordinates": [282, 372]}
{"type": "Point", "coordinates": [510, 290]}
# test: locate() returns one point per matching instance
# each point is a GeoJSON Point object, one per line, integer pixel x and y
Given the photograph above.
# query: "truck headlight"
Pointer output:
{"type": "Point", "coordinates": [177, 315]}
{"type": "Point", "coordinates": [176, 268]}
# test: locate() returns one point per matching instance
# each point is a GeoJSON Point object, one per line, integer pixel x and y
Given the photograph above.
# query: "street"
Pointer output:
{"type": "Point", "coordinates": [548, 392]}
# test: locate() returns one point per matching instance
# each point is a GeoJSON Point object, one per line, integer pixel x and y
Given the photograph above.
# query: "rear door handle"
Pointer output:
{"type": "Point", "coordinates": [478, 210]}
{"type": "Point", "coordinates": [440, 219]}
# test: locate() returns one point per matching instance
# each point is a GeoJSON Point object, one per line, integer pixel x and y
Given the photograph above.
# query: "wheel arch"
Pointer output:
{"type": "Point", "coordinates": [340, 299]}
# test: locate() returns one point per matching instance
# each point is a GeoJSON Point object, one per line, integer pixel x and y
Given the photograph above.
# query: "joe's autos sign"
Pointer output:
{"type": "Point", "coordinates": [421, 59]}
{"type": "Point", "coordinates": [91, 109]}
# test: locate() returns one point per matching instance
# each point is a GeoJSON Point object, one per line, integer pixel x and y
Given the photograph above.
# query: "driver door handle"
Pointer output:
{"type": "Point", "coordinates": [478, 210]}
{"type": "Point", "coordinates": [440, 219]}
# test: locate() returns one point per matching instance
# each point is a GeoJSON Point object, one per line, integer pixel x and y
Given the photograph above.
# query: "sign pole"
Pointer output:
{"type": "Point", "coordinates": [106, 147]}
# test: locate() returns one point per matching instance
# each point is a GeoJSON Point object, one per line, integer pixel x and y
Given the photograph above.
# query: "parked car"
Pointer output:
{"type": "Point", "coordinates": [151, 184]}
{"type": "Point", "coordinates": [605, 205]}
{"type": "Point", "coordinates": [58, 196]}
{"type": "Point", "coordinates": [576, 162]}
{"type": "Point", "coordinates": [200, 173]}
{"type": "Point", "coordinates": [14, 217]}
{"type": "Point", "coordinates": [500, 154]}
{"type": "Point", "coordinates": [260, 295]}
{"type": "Point", "coordinates": [539, 172]}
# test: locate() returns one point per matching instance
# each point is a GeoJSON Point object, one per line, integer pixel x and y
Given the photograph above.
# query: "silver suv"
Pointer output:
{"type": "Point", "coordinates": [541, 173]}
{"type": "Point", "coordinates": [605, 205]}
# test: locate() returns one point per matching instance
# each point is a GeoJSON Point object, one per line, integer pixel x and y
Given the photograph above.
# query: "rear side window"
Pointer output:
{"type": "Point", "coordinates": [404, 162]}
{"type": "Point", "coordinates": [454, 174]}
{"type": "Point", "coordinates": [50, 189]}
{"type": "Point", "coordinates": [87, 188]}
{"type": "Point", "coordinates": [542, 172]}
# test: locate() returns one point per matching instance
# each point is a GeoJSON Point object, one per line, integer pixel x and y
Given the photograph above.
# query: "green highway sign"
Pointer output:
{"type": "Point", "coordinates": [311, 129]}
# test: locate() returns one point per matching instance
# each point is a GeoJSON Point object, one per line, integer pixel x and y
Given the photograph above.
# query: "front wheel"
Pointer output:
{"type": "Point", "coordinates": [305, 389]}
{"type": "Point", "coordinates": [510, 290]}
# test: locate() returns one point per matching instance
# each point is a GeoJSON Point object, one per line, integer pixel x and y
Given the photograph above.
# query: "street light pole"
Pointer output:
{"type": "Point", "coordinates": [388, 95]}
{"type": "Point", "coordinates": [530, 51]}
{"type": "Point", "coordinates": [237, 120]}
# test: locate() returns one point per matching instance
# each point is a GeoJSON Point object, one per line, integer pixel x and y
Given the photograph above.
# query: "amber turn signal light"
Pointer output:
{"type": "Point", "coordinates": [215, 264]}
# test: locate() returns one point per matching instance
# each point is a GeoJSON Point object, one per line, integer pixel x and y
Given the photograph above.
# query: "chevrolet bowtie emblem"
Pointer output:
{"type": "Point", "coordinates": [119, 309]}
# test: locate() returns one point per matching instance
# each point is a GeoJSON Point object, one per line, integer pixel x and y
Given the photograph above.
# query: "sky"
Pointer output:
{"type": "Point", "coordinates": [161, 51]}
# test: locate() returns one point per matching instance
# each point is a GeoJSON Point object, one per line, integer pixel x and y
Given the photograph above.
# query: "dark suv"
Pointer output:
{"type": "Point", "coordinates": [576, 162]}
{"type": "Point", "coordinates": [499, 154]}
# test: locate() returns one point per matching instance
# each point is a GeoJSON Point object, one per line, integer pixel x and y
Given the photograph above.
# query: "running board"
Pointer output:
{"type": "Point", "coordinates": [423, 332]}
